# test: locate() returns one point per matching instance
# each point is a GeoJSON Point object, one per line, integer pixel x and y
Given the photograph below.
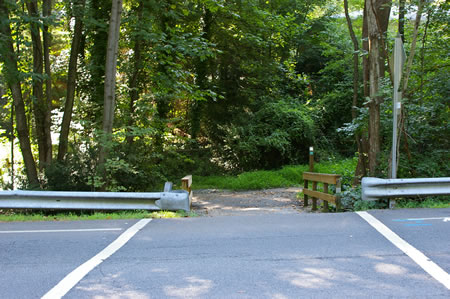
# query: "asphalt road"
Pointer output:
{"type": "Point", "coordinates": [260, 256]}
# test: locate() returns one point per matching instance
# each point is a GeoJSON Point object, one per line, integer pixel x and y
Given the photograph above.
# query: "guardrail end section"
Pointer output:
{"type": "Point", "coordinates": [367, 184]}
{"type": "Point", "coordinates": [174, 201]}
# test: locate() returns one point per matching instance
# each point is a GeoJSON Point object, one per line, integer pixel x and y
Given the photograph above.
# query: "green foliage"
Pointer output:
{"type": "Point", "coordinates": [351, 200]}
{"type": "Point", "coordinates": [276, 134]}
{"type": "Point", "coordinates": [77, 172]}
{"type": "Point", "coordinates": [29, 215]}
{"type": "Point", "coordinates": [212, 87]}
{"type": "Point", "coordinates": [345, 167]}
{"type": "Point", "coordinates": [169, 214]}
{"type": "Point", "coordinates": [429, 202]}
{"type": "Point", "coordinates": [287, 176]}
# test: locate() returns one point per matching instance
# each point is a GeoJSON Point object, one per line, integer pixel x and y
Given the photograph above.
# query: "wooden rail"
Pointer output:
{"type": "Point", "coordinates": [326, 179]}
{"type": "Point", "coordinates": [186, 183]}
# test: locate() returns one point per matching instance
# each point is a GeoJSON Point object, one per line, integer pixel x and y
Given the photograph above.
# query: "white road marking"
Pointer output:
{"type": "Point", "coordinates": [423, 261]}
{"type": "Point", "coordinates": [76, 275]}
{"type": "Point", "coordinates": [58, 230]}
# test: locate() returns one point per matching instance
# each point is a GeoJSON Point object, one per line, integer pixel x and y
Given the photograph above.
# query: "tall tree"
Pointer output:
{"type": "Point", "coordinates": [98, 15]}
{"type": "Point", "coordinates": [377, 18]}
{"type": "Point", "coordinates": [12, 75]}
{"type": "Point", "coordinates": [135, 77]}
{"type": "Point", "coordinates": [362, 163]}
{"type": "Point", "coordinates": [78, 11]}
{"type": "Point", "coordinates": [110, 77]}
{"type": "Point", "coordinates": [46, 12]}
{"type": "Point", "coordinates": [40, 108]}
{"type": "Point", "coordinates": [401, 19]}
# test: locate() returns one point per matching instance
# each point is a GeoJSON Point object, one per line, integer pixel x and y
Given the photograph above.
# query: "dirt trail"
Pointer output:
{"type": "Point", "coordinates": [224, 203]}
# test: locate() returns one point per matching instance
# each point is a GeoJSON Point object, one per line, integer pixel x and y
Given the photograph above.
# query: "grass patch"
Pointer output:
{"type": "Point", "coordinates": [169, 214]}
{"type": "Point", "coordinates": [26, 215]}
{"type": "Point", "coordinates": [431, 203]}
{"type": "Point", "coordinates": [288, 176]}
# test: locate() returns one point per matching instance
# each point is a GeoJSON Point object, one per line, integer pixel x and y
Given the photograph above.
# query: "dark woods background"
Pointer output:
{"type": "Point", "coordinates": [138, 92]}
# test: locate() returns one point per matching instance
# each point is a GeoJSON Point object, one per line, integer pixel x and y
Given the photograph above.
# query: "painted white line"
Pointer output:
{"type": "Point", "coordinates": [76, 275]}
{"type": "Point", "coordinates": [423, 261]}
{"type": "Point", "coordinates": [58, 230]}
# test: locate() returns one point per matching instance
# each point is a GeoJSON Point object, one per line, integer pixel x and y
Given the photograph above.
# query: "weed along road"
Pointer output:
{"type": "Point", "coordinates": [392, 253]}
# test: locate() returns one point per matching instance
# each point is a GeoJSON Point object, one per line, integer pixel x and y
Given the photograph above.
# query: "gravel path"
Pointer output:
{"type": "Point", "coordinates": [224, 203]}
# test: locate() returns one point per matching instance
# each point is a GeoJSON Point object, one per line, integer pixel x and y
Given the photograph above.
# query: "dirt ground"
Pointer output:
{"type": "Point", "coordinates": [224, 203]}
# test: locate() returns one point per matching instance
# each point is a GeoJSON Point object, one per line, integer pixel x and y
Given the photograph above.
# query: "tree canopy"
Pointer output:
{"type": "Point", "coordinates": [122, 95]}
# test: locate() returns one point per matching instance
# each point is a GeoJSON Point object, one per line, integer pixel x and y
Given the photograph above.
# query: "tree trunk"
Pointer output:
{"type": "Point", "coordinates": [405, 82]}
{"type": "Point", "coordinates": [78, 9]}
{"type": "Point", "coordinates": [39, 104]}
{"type": "Point", "coordinates": [365, 48]}
{"type": "Point", "coordinates": [134, 80]}
{"type": "Point", "coordinates": [12, 77]}
{"type": "Point", "coordinates": [47, 11]}
{"type": "Point", "coordinates": [202, 73]}
{"type": "Point", "coordinates": [377, 14]}
{"type": "Point", "coordinates": [401, 19]}
{"type": "Point", "coordinates": [361, 166]}
{"type": "Point", "coordinates": [110, 77]}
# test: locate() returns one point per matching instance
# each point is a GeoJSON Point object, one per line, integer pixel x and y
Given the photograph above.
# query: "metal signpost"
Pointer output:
{"type": "Point", "coordinates": [399, 60]}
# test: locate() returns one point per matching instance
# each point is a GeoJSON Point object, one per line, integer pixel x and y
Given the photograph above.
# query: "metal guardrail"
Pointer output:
{"type": "Point", "coordinates": [375, 188]}
{"type": "Point", "coordinates": [170, 200]}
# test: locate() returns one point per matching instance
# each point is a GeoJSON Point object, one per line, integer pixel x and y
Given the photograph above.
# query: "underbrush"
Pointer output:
{"type": "Point", "coordinates": [287, 176]}
{"type": "Point", "coordinates": [429, 202]}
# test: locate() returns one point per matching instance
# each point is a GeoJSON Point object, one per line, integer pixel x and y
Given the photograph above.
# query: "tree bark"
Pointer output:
{"type": "Point", "coordinates": [401, 19]}
{"type": "Point", "coordinates": [12, 77]}
{"type": "Point", "coordinates": [365, 58]}
{"type": "Point", "coordinates": [134, 80]}
{"type": "Point", "coordinates": [202, 73]}
{"type": "Point", "coordinates": [412, 51]}
{"type": "Point", "coordinates": [47, 11]}
{"type": "Point", "coordinates": [78, 10]}
{"type": "Point", "coordinates": [361, 166]}
{"type": "Point", "coordinates": [413, 46]}
{"type": "Point", "coordinates": [39, 104]}
{"type": "Point", "coordinates": [377, 13]}
{"type": "Point", "coordinates": [110, 77]}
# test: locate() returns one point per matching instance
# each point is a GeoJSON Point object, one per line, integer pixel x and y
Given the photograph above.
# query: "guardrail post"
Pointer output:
{"type": "Point", "coordinates": [338, 194]}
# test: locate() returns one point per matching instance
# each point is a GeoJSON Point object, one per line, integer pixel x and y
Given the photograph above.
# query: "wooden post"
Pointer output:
{"type": "Point", "coordinates": [311, 159]}
{"type": "Point", "coordinates": [305, 197]}
{"type": "Point", "coordinates": [186, 183]}
{"type": "Point", "coordinates": [314, 200]}
{"type": "Point", "coordinates": [325, 203]}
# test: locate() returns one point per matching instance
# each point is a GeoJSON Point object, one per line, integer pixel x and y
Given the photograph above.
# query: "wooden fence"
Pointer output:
{"type": "Point", "coordinates": [326, 179]}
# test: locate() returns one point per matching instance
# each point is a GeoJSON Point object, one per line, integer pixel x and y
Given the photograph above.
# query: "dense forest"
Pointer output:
{"type": "Point", "coordinates": [123, 95]}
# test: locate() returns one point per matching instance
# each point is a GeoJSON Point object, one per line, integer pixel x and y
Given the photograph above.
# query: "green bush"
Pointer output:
{"type": "Point", "coordinates": [277, 133]}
